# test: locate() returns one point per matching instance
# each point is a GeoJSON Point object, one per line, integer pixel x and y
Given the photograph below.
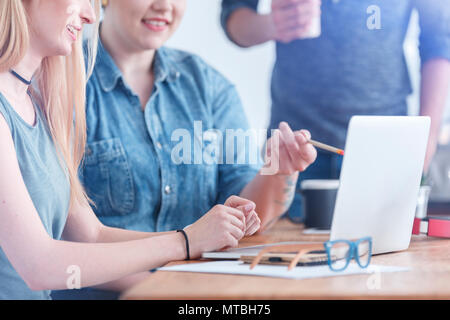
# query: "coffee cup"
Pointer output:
{"type": "Point", "coordinates": [318, 201]}
{"type": "Point", "coordinates": [315, 29]}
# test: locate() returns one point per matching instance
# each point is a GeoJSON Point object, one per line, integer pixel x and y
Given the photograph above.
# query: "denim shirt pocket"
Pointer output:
{"type": "Point", "coordinates": [107, 178]}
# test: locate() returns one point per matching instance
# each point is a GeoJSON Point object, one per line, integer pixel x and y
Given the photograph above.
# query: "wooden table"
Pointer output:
{"type": "Point", "coordinates": [429, 278]}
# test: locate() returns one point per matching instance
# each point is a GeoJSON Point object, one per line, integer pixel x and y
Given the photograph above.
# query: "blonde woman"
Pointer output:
{"type": "Point", "coordinates": [48, 232]}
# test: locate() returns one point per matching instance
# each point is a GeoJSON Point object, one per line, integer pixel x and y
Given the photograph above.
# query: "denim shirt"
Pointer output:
{"type": "Point", "coordinates": [135, 170]}
{"type": "Point", "coordinates": [355, 67]}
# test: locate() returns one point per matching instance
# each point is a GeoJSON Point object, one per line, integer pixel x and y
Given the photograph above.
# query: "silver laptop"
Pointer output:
{"type": "Point", "coordinates": [380, 180]}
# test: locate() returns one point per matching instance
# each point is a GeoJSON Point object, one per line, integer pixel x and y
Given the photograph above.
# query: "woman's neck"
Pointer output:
{"type": "Point", "coordinates": [26, 68]}
{"type": "Point", "coordinates": [129, 60]}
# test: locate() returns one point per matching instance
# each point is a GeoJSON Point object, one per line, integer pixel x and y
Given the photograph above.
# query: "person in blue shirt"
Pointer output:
{"type": "Point", "coordinates": [355, 67]}
{"type": "Point", "coordinates": [167, 136]}
{"type": "Point", "coordinates": [144, 102]}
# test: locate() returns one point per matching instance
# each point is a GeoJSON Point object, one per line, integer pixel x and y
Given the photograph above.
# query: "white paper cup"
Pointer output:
{"type": "Point", "coordinates": [315, 29]}
{"type": "Point", "coordinates": [422, 202]}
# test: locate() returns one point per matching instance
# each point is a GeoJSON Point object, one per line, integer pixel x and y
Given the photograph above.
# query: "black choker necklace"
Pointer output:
{"type": "Point", "coordinates": [18, 76]}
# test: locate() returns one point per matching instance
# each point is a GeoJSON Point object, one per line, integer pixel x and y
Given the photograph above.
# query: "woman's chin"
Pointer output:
{"type": "Point", "coordinates": [65, 50]}
{"type": "Point", "coordinates": [153, 43]}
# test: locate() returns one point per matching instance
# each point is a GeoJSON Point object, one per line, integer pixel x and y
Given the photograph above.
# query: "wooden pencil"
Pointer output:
{"type": "Point", "coordinates": [326, 147]}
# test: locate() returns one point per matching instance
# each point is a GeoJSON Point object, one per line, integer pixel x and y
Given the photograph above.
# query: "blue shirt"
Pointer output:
{"type": "Point", "coordinates": [318, 84]}
{"type": "Point", "coordinates": [136, 169]}
{"type": "Point", "coordinates": [47, 184]}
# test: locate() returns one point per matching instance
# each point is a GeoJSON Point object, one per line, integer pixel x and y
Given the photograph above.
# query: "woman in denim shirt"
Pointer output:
{"type": "Point", "coordinates": [157, 119]}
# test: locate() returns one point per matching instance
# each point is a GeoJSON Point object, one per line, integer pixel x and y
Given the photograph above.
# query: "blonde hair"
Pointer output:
{"type": "Point", "coordinates": [60, 87]}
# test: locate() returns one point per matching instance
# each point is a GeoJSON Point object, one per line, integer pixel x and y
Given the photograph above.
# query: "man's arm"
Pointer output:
{"type": "Point", "coordinates": [434, 92]}
{"type": "Point", "coordinates": [229, 8]}
{"type": "Point", "coordinates": [288, 20]}
{"type": "Point", "coordinates": [247, 28]}
{"type": "Point", "coordinates": [435, 55]}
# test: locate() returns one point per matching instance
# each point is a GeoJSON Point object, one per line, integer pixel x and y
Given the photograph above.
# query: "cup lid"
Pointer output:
{"type": "Point", "coordinates": [319, 184]}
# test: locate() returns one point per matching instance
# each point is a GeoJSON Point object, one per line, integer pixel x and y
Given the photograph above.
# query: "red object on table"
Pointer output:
{"type": "Point", "coordinates": [432, 226]}
{"type": "Point", "coordinates": [416, 226]}
{"type": "Point", "coordinates": [439, 228]}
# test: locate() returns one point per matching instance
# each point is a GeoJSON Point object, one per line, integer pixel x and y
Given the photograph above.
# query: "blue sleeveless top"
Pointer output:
{"type": "Point", "coordinates": [46, 182]}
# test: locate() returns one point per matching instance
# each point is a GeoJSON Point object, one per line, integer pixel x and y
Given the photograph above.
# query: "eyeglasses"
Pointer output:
{"type": "Point", "coordinates": [337, 254]}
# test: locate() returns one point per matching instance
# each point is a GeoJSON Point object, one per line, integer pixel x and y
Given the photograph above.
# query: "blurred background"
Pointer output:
{"type": "Point", "coordinates": [250, 70]}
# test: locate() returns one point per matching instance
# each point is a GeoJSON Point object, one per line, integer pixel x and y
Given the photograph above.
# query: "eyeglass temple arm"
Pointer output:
{"type": "Point", "coordinates": [301, 249]}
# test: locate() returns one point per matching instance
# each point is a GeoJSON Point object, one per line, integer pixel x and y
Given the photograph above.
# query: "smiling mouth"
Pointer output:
{"type": "Point", "coordinates": [72, 31]}
{"type": "Point", "coordinates": [156, 24]}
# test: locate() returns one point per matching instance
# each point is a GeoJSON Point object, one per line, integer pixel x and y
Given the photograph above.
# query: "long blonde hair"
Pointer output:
{"type": "Point", "coordinates": [60, 87]}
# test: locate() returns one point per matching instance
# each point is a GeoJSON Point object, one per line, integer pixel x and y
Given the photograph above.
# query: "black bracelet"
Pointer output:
{"type": "Point", "coordinates": [188, 257]}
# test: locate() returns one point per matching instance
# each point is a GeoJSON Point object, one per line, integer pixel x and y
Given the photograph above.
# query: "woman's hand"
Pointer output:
{"type": "Point", "coordinates": [252, 221]}
{"type": "Point", "coordinates": [290, 150]}
{"type": "Point", "coordinates": [223, 226]}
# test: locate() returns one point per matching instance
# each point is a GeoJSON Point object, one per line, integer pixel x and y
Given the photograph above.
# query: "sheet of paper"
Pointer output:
{"type": "Point", "coordinates": [238, 267]}
{"type": "Point", "coordinates": [246, 251]}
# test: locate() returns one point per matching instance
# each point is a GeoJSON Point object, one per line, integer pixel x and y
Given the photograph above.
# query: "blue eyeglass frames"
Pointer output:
{"type": "Point", "coordinates": [337, 254]}
{"type": "Point", "coordinates": [341, 252]}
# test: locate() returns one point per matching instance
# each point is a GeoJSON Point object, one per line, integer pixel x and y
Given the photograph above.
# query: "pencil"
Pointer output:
{"type": "Point", "coordinates": [326, 147]}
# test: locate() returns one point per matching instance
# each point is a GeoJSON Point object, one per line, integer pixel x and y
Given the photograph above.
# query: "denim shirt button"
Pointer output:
{"type": "Point", "coordinates": [167, 190]}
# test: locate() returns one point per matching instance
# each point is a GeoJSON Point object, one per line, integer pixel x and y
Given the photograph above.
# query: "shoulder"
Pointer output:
{"type": "Point", "coordinates": [93, 90]}
{"type": "Point", "coordinates": [6, 132]}
{"type": "Point", "coordinates": [180, 57]}
{"type": "Point", "coordinates": [5, 118]}
{"type": "Point", "coordinates": [187, 63]}
{"type": "Point", "coordinates": [95, 98]}
{"type": "Point", "coordinates": [199, 74]}
{"type": "Point", "coordinates": [190, 63]}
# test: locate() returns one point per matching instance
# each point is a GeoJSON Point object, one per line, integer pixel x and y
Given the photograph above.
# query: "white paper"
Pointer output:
{"type": "Point", "coordinates": [238, 267]}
